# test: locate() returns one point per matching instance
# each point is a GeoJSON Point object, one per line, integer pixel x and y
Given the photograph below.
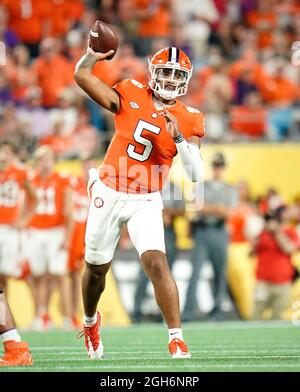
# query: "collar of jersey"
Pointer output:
{"type": "Point", "coordinates": [163, 106]}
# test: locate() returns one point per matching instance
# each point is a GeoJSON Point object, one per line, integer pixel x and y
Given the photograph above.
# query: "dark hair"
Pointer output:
{"type": "Point", "coordinates": [275, 214]}
{"type": "Point", "coordinates": [218, 160]}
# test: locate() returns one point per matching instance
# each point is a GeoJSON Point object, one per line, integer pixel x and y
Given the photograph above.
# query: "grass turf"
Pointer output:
{"type": "Point", "coordinates": [226, 346]}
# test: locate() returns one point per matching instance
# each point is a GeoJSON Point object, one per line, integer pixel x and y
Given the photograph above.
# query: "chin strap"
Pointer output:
{"type": "Point", "coordinates": [190, 157]}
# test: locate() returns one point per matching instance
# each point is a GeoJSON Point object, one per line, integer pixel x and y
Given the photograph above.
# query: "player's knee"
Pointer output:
{"type": "Point", "coordinates": [97, 271]}
{"type": "Point", "coordinates": [155, 264]}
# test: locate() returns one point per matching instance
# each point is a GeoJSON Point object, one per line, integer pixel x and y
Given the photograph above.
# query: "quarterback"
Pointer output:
{"type": "Point", "coordinates": [151, 127]}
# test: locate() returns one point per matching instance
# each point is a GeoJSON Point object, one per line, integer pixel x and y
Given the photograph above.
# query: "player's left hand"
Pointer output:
{"type": "Point", "coordinates": [20, 224]}
{"type": "Point", "coordinates": [172, 124]}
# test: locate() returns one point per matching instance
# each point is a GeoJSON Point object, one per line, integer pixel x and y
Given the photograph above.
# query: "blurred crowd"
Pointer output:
{"type": "Point", "coordinates": [244, 79]}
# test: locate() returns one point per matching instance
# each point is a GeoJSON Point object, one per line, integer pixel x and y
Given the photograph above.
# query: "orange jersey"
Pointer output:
{"type": "Point", "coordinates": [26, 18]}
{"type": "Point", "coordinates": [237, 222]}
{"type": "Point", "coordinates": [12, 182]}
{"type": "Point", "coordinates": [141, 152]}
{"type": "Point", "coordinates": [80, 213]}
{"type": "Point", "coordinates": [158, 23]}
{"type": "Point", "coordinates": [51, 190]}
{"type": "Point", "coordinates": [248, 121]}
{"type": "Point", "coordinates": [52, 76]}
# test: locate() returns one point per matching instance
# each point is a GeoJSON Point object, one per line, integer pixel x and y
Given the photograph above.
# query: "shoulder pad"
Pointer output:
{"type": "Point", "coordinates": [192, 110]}
{"type": "Point", "coordinates": [136, 83]}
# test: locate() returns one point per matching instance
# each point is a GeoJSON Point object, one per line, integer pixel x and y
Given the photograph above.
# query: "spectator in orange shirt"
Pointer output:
{"type": "Point", "coordinates": [19, 74]}
{"type": "Point", "coordinates": [64, 13]}
{"type": "Point", "coordinates": [264, 20]}
{"type": "Point", "coordinates": [30, 20]}
{"type": "Point", "coordinates": [249, 119]}
{"type": "Point", "coordinates": [281, 94]}
{"type": "Point", "coordinates": [279, 91]}
{"type": "Point", "coordinates": [52, 72]}
{"type": "Point", "coordinates": [76, 9]}
{"type": "Point", "coordinates": [60, 20]}
{"type": "Point", "coordinates": [240, 214]}
{"type": "Point", "coordinates": [154, 22]}
{"type": "Point", "coordinates": [247, 68]}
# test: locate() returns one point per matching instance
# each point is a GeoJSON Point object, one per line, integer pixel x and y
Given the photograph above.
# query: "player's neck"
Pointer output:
{"type": "Point", "coordinates": [162, 102]}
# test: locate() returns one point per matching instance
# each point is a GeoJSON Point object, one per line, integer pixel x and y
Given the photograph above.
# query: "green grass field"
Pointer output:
{"type": "Point", "coordinates": [226, 346]}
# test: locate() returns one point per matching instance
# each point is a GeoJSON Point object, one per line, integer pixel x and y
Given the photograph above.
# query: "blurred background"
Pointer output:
{"type": "Point", "coordinates": [239, 259]}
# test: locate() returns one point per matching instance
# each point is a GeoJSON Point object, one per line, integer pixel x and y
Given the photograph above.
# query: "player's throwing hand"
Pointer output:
{"type": "Point", "coordinates": [98, 55]}
{"type": "Point", "coordinates": [172, 124]}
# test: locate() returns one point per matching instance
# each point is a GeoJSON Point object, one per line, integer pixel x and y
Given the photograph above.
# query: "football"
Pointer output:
{"type": "Point", "coordinates": [102, 38]}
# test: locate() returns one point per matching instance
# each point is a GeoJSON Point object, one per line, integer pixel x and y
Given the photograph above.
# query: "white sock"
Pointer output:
{"type": "Point", "coordinates": [11, 335]}
{"type": "Point", "coordinates": [89, 321]}
{"type": "Point", "coordinates": [175, 333]}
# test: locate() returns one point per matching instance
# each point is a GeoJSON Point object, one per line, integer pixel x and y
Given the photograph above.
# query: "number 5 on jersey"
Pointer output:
{"type": "Point", "coordinates": [148, 145]}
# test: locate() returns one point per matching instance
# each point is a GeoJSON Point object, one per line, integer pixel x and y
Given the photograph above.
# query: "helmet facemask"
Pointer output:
{"type": "Point", "coordinates": [169, 80]}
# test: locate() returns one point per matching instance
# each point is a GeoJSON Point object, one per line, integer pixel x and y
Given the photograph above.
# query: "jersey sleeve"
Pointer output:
{"type": "Point", "coordinates": [127, 89]}
{"type": "Point", "coordinates": [122, 88]}
{"type": "Point", "coordinates": [199, 125]}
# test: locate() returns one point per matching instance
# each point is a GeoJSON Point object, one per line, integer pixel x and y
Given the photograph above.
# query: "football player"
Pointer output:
{"type": "Point", "coordinates": [81, 204]}
{"type": "Point", "coordinates": [49, 235]}
{"type": "Point", "coordinates": [17, 204]}
{"type": "Point", "coordinates": [151, 127]}
{"type": "Point", "coordinates": [16, 352]}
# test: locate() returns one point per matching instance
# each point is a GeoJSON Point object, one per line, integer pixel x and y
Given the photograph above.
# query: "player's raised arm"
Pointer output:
{"type": "Point", "coordinates": [94, 87]}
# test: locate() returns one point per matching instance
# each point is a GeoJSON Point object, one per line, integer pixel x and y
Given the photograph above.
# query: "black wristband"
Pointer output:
{"type": "Point", "coordinates": [179, 138]}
